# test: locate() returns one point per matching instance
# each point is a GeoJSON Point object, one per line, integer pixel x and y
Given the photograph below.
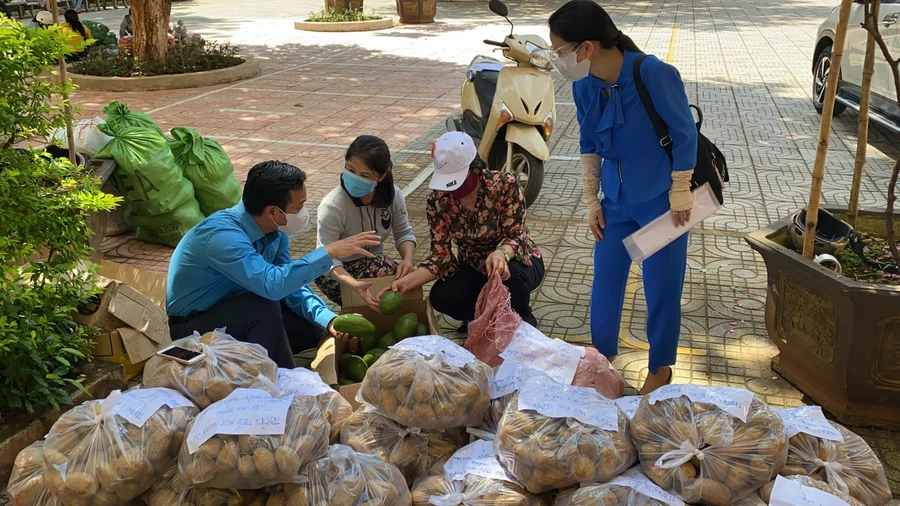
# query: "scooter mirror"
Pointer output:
{"type": "Point", "coordinates": [498, 8]}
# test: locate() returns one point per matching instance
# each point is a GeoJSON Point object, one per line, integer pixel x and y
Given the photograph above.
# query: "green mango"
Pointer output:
{"type": "Point", "coordinates": [373, 356]}
{"type": "Point", "coordinates": [422, 330]}
{"type": "Point", "coordinates": [387, 340]}
{"type": "Point", "coordinates": [390, 302]}
{"type": "Point", "coordinates": [406, 326]}
{"type": "Point", "coordinates": [354, 368]}
{"type": "Point", "coordinates": [355, 325]}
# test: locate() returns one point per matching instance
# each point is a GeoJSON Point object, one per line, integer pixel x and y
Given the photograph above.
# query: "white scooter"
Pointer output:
{"type": "Point", "coordinates": [509, 110]}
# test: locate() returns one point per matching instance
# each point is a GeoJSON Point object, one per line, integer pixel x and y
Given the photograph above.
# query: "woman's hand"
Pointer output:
{"type": "Point", "coordinates": [680, 198]}
{"type": "Point", "coordinates": [597, 222]}
{"type": "Point", "coordinates": [405, 267]}
{"type": "Point", "coordinates": [363, 288]}
{"type": "Point", "coordinates": [496, 264]}
{"type": "Point", "coordinates": [681, 218]}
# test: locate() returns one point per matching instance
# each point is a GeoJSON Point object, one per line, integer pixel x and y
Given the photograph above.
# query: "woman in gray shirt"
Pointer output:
{"type": "Point", "coordinates": [366, 200]}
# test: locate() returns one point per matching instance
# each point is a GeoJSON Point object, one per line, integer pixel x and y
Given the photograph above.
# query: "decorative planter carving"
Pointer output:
{"type": "Point", "coordinates": [839, 339]}
{"type": "Point", "coordinates": [416, 11]}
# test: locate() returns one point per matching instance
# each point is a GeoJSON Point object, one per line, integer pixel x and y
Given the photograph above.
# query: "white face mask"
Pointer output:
{"type": "Point", "coordinates": [295, 222]}
{"type": "Point", "coordinates": [569, 67]}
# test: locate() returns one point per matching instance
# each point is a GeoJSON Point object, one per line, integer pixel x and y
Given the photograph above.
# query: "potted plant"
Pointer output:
{"type": "Point", "coordinates": [46, 273]}
{"type": "Point", "coordinates": [839, 334]}
{"type": "Point", "coordinates": [416, 11]}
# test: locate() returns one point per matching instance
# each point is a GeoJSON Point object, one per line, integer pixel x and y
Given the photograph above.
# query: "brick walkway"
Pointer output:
{"type": "Point", "coordinates": [746, 63]}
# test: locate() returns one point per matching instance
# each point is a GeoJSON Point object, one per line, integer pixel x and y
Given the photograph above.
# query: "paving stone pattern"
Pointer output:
{"type": "Point", "coordinates": [746, 64]}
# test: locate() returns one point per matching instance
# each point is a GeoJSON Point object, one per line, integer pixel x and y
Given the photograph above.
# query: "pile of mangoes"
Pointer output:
{"type": "Point", "coordinates": [353, 366]}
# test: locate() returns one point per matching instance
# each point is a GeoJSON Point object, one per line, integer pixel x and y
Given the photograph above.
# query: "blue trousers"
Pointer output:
{"type": "Point", "coordinates": [663, 281]}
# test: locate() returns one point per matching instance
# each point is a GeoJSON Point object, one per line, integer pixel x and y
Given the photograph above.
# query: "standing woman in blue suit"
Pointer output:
{"type": "Point", "coordinates": [622, 156]}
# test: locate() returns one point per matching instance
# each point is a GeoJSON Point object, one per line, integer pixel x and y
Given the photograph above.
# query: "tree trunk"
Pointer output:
{"type": "Point", "coordinates": [150, 19]}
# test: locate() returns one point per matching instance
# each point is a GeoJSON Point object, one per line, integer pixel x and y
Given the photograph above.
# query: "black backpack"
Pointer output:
{"type": "Point", "coordinates": [711, 165]}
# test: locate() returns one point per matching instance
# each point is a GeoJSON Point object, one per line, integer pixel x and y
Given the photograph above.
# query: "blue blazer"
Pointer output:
{"type": "Point", "coordinates": [618, 129]}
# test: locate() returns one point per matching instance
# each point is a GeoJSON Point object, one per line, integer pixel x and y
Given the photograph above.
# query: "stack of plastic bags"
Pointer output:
{"type": "Point", "coordinates": [554, 435]}
{"type": "Point", "coordinates": [708, 445]}
{"type": "Point", "coordinates": [169, 185]}
{"type": "Point", "coordinates": [159, 201]}
{"type": "Point", "coordinates": [205, 164]}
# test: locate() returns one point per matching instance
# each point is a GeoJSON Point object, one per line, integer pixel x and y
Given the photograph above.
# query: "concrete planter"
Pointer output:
{"type": "Point", "coordinates": [416, 11]}
{"type": "Point", "coordinates": [345, 26]}
{"type": "Point", "coordinates": [250, 68]}
{"type": "Point", "coordinates": [839, 339]}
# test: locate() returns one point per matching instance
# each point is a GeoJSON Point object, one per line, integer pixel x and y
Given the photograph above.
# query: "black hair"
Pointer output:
{"type": "Point", "coordinates": [582, 20]}
{"type": "Point", "coordinates": [270, 184]}
{"type": "Point", "coordinates": [72, 18]}
{"type": "Point", "coordinates": [374, 153]}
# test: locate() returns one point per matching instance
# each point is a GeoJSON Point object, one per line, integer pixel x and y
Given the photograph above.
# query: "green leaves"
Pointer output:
{"type": "Point", "coordinates": [30, 105]}
{"type": "Point", "coordinates": [45, 275]}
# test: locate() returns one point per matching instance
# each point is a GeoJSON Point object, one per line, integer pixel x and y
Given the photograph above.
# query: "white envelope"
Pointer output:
{"type": "Point", "coordinates": [792, 493]}
{"type": "Point", "coordinates": [661, 231]}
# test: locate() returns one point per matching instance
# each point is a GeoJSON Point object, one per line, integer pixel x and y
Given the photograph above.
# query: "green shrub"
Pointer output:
{"type": "Point", "coordinates": [328, 16]}
{"type": "Point", "coordinates": [196, 55]}
{"type": "Point", "coordinates": [44, 253]}
{"type": "Point", "coordinates": [29, 105]}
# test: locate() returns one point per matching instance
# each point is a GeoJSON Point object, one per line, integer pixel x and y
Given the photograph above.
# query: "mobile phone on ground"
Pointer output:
{"type": "Point", "coordinates": [181, 355]}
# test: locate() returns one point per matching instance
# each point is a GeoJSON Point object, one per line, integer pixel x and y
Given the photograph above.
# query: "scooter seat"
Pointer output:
{"type": "Point", "coordinates": [485, 87]}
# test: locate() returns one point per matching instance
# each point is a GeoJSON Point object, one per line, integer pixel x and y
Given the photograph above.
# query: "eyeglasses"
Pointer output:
{"type": "Point", "coordinates": [557, 53]}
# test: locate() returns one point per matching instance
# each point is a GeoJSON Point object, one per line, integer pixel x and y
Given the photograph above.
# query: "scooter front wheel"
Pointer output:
{"type": "Point", "coordinates": [528, 169]}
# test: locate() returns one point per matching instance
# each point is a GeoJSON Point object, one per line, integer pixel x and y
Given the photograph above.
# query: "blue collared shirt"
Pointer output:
{"type": "Point", "coordinates": [616, 127]}
{"type": "Point", "coordinates": [227, 255]}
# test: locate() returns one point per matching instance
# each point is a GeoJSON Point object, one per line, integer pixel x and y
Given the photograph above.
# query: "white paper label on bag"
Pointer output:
{"type": "Point", "coordinates": [137, 406]}
{"type": "Point", "coordinates": [629, 404]}
{"type": "Point", "coordinates": [448, 351]}
{"type": "Point", "coordinates": [245, 411]}
{"type": "Point", "coordinates": [509, 378]}
{"type": "Point", "coordinates": [555, 357]}
{"type": "Point", "coordinates": [658, 233]}
{"type": "Point", "coordinates": [792, 493]}
{"type": "Point", "coordinates": [636, 480]}
{"type": "Point", "coordinates": [734, 401]}
{"type": "Point", "coordinates": [301, 381]}
{"type": "Point", "coordinates": [478, 459]}
{"type": "Point", "coordinates": [556, 400]}
{"type": "Point", "coordinates": [808, 420]}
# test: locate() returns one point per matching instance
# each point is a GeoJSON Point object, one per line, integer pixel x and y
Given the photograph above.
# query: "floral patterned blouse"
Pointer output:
{"type": "Point", "coordinates": [498, 219]}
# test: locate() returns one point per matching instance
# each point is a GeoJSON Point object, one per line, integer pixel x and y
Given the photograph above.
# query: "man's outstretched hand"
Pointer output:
{"type": "Point", "coordinates": [353, 245]}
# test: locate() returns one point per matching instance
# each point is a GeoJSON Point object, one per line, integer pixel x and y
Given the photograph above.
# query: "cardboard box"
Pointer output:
{"type": "Point", "coordinates": [129, 313]}
{"type": "Point", "coordinates": [327, 355]}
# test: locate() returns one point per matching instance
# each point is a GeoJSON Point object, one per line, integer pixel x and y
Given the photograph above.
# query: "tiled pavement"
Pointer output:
{"type": "Point", "coordinates": [746, 64]}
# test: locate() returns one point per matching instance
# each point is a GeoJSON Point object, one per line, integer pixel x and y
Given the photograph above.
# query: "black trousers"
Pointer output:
{"type": "Point", "coordinates": [456, 296]}
{"type": "Point", "coordinates": [253, 319]}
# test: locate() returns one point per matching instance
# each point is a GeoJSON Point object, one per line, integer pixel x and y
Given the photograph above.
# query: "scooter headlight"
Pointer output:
{"type": "Point", "coordinates": [505, 116]}
{"type": "Point", "coordinates": [540, 57]}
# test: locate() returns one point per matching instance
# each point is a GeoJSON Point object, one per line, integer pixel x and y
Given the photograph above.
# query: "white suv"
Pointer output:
{"type": "Point", "coordinates": [883, 106]}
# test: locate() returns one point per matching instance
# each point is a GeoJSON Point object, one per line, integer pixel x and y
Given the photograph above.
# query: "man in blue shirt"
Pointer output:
{"type": "Point", "coordinates": [234, 269]}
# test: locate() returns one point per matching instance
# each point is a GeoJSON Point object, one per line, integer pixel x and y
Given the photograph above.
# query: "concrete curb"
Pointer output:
{"type": "Point", "coordinates": [348, 26]}
{"type": "Point", "coordinates": [250, 68]}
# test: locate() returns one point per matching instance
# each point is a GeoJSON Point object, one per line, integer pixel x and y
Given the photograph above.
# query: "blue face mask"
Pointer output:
{"type": "Point", "coordinates": [357, 186]}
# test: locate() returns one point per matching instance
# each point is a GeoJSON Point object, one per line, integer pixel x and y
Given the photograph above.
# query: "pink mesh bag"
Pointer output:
{"type": "Point", "coordinates": [496, 323]}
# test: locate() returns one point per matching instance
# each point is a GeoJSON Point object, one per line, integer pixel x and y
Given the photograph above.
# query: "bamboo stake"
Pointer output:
{"type": "Point", "coordinates": [862, 142]}
{"type": "Point", "coordinates": [815, 192]}
{"type": "Point", "coordinates": [64, 78]}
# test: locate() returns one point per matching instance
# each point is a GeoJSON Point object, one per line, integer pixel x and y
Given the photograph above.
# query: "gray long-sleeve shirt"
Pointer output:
{"type": "Point", "coordinates": [339, 218]}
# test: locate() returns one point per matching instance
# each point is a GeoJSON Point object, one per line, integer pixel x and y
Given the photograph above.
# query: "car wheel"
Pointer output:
{"type": "Point", "coordinates": [820, 76]}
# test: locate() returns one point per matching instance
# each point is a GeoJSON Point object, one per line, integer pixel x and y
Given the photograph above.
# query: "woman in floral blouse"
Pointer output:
{"type": "Point", "coordinates": [483, 212]}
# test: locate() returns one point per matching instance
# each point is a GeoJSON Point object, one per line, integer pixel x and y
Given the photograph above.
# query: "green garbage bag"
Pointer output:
{"type": "Point", "coordinates": [166, 228]}
{"type": "Point", "coordinates": [204, 163]}
{"type": "Point", "coordinates": [119, 117]}
{"type": "Point", "coordinates": [146, 173]}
